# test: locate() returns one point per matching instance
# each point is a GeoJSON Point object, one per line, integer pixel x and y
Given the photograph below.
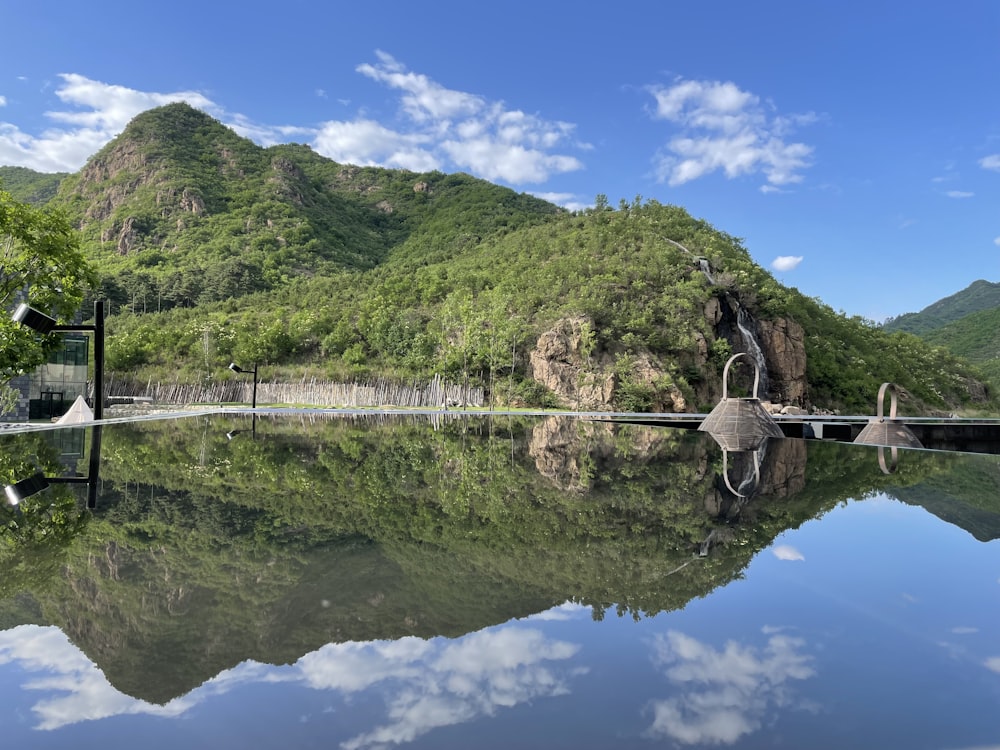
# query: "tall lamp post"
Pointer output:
{"type": "Point", "coordinates": [43, 324]}
{"type": "Point", "coordinates": [236, 368]}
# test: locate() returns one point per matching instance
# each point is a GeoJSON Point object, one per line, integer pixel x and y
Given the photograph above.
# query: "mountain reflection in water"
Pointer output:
{"type": "Point", "coordinates": [404, 580]}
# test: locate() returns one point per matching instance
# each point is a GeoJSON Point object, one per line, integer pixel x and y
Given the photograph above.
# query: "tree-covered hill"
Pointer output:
{"type": "Point", "coordinates": [966, 323]}
{"type": "Point", "coordinates": [179, 210]}
{"type": "Point", "coordinates": [29, 186]}
{"type": "Point", "coordinates": [212, 249]}
{"type": "Point", "coordinates": [978, 296]}
{"type": "Point", "coordinates": [975, 337]}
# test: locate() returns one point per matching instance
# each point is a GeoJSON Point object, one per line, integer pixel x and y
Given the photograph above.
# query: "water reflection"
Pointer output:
{"type": "Point", "coordinates": [724, 693]}
{"type": "Point", "coordinates": [425, 684]}
{"type": "Point", "coordinates": [389, 565]}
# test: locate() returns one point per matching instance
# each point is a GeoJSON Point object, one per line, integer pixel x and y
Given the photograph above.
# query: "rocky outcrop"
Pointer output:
{"type": "Point", "coordinates": [564, 361]}
{"type": "Point", "coordinates": [573, 454]}
{"type": "Point", "coordinates": [561, 363]}
{"type": "Point", "coordinates": [128, 236]}
{"type": "Point", "coordinates": [783, 342]}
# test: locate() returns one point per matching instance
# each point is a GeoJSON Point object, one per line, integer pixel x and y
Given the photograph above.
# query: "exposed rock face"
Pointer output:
{"type": "Point", "coordinates": [128, 237]}
{"type": "Point", "coordinates": [559, 363]}
{"type": "Point", "coordinates": [584, 381]}
{"type": "Point", "coordinates": [191, 201]}
{"type": "Point", "coordinates": [559, 451]}
{"type": "Point", "coordinates": [783, 342]}
{"type": "Point", "coordinates": [781, 473]}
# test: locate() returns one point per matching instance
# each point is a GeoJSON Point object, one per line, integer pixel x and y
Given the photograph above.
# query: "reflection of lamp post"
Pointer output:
{"type": "Point", "coordinates": [38, 482]}
{"type": "Point", "coordinates": [253, 429]}
{"type": "Point", "coordinates": [236, 368]}
{"type": "Point", "coordinates": [42, 323]}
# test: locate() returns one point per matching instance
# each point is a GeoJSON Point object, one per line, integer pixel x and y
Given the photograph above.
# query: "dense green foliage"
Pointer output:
{"type": "Point", "coordinates": [975, 337]}
{"type": "Point", "coordinates": [480, 312]}
{"type": "Point", "coordinates": [180, 211]}
{"type": "Point", "coordinates": [39, 252]}
{"type": "Point", "coordinates": [28, 186]}
{"type": "Point", "coordinates": [213, 249]}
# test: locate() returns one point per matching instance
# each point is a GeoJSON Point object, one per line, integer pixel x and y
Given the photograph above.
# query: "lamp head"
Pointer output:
{"type": "Point", "coordinates": [25, 488]}
{"type": "Point", "coordinates": [235, 367]}
{"type": "Point", "coordinates": [35, 320]}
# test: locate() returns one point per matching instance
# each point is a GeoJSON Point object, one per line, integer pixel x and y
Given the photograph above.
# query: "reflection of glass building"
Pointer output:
{"type": "Point", "coordinates": [51, 390]}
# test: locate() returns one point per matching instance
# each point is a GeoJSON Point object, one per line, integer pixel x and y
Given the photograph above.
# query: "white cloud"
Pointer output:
{"type": "Point", "coordinates": [438, 128]}
{"type": "Point", "coordinates": [453, 128]}
{"type": "Point", "coordinates": [786, 262]}
{"type": "Point", "coordinates": [959, 194]}
{"type": "Point", "coordinates": [993, 664]}
{"type": "Point", "coordinates": [368, 143]}
{"type": "Point", "coordinates": [964, 630]}
{"type": "Point", "coordinates": [96, 112]}
{"type": "Point", "coordinates": [721, 127]}
{"type": "Point", "coordinates": [787, 552]}
{"type": "Point", "coordinates": [3, 101]}
{"type": "Point", "coordinates": [722, 695]}
{"type": "Point", "coordinates": [996, 241]}
{"type": "Point", "coordinates": [565, 611]}
{"type": "Point", "coordinates": [461, 680]}
{"type": "Point", "coordinates": [990, 162]}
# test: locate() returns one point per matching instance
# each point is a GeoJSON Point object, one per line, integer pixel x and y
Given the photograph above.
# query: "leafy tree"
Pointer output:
{"type": "Point", "coordinates": [40, 255]}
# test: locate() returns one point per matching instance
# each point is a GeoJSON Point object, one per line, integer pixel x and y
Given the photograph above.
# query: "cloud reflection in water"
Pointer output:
{"type": "Point", "coordinates": [726, 693]}
{"type": "Point", "coordinates": [425, 683]}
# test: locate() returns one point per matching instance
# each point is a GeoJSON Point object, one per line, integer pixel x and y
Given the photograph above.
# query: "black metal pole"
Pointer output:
{"type": "Point", "coordinates": [94, 469]}
{"type": "Point", "coordinates": [254, 404]}
{"type": "Point", "coordinates": [98, 361]}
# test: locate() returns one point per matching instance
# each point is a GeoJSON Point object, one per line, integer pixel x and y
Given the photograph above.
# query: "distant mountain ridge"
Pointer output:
{"type": "Point", "coordinates": [966, 323]}
{"type": "Point", "coordinates": [29, 186]}
{"type": "Point", "coordinates": [979, 295]}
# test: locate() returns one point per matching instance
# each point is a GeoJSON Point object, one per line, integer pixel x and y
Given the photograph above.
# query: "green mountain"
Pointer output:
{"type": "Point", "coordinates": [978, 296]}
{"type": "Point", "coordinates": [966, 323]}
{"type": "Point", "coordinates": [29, 186]}
{"type": "Point", "coordinates": [212, 249]}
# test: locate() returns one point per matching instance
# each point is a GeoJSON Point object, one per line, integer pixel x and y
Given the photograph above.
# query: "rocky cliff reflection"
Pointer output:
{"type": "Point", "coordinates": [206, 552]}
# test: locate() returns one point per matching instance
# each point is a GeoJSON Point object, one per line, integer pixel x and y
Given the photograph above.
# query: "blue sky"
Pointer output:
{"type": "Point", "coordinates": [855, 147]}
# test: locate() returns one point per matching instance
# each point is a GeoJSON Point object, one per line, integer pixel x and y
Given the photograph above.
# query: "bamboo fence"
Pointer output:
{"type": "Point", "coordinates": [308, 392]}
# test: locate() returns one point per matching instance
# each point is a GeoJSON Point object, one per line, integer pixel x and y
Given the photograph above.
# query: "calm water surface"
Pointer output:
{"type": "Point", "coordinates": [508, 582]}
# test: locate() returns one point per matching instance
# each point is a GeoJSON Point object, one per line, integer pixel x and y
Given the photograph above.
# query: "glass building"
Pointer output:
{"type": "Point", "coordinates": [54, 386]}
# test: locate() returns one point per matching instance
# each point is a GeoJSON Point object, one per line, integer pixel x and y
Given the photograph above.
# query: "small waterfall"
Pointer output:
{"type": "Point", "coordinates": [745, 324]}
{"type": "Point", "coordinates": [706, 269]}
